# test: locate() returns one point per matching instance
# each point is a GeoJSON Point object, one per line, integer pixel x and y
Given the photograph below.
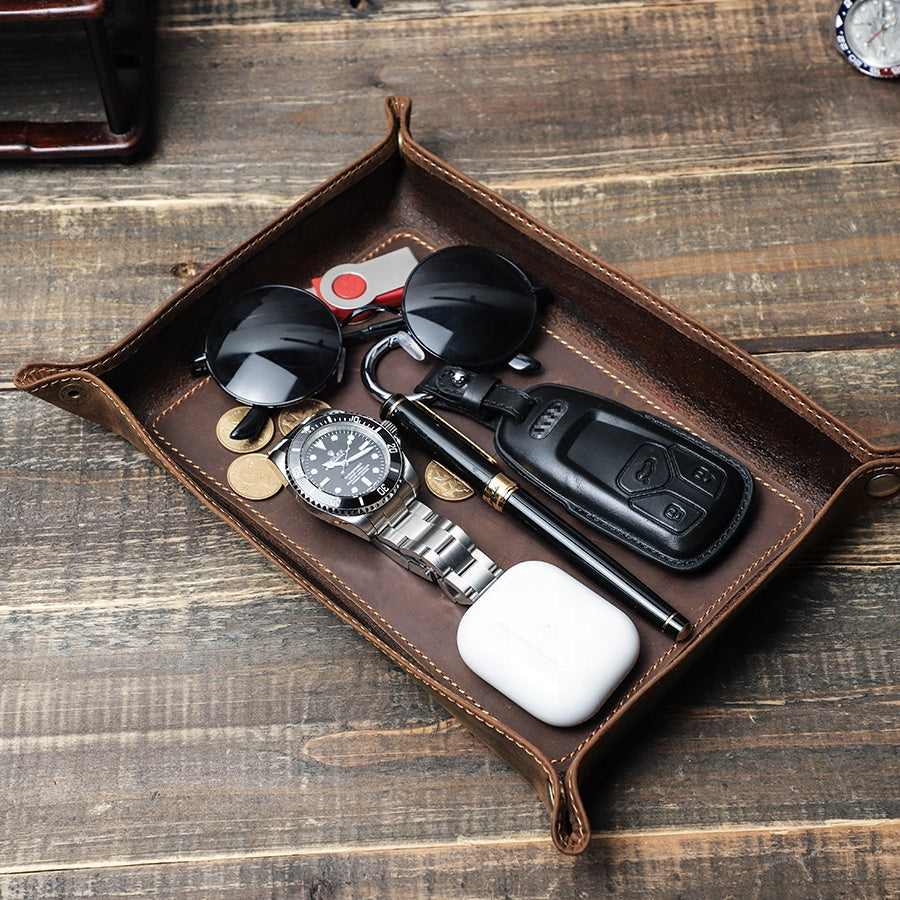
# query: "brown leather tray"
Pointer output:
{"type": "Point", "coordinates": [603, 332]}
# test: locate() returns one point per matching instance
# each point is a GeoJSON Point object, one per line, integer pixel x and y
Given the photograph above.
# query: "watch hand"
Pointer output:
{"type": "Point", "coordinates": [336, 460]}
{"type": "Point", "coordinates": [356, 456]}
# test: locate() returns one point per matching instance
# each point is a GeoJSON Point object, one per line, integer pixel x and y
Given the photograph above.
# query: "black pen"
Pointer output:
{"type": "Point", "coordinates": [468, 461]}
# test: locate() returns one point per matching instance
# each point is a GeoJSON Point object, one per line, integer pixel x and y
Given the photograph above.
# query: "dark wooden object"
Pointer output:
{"type": "Point", "coordinates": [119, 45]}
{"type": "Point", "coordinates": [174, 718]}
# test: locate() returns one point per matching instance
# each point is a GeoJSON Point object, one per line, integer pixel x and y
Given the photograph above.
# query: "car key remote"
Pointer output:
{"type": "Point", "coordinates": [639, 479]}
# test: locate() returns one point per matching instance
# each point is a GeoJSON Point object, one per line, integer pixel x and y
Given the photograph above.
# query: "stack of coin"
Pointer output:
{"type": "Point", "coordinates": [253, 475]}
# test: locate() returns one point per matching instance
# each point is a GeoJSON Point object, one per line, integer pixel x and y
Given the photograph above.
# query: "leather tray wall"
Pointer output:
{"type": "Point", "coordinates": [602, 332]}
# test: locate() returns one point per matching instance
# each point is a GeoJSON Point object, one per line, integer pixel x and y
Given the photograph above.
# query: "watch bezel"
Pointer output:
{"type": "Point", "coordinates": [346, 506]}
{"type": "Point", "coordinates": [849, 53]}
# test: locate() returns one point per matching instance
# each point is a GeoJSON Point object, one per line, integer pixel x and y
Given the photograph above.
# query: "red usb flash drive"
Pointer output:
{"type": "Point", "coordinates": [349, 286]}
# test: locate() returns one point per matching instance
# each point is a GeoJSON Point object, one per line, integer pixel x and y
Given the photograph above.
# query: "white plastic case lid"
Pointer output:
{"type": "Point", "coordinates": [547, 642]}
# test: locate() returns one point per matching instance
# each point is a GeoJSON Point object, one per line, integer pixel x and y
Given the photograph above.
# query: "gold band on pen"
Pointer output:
{"type": "Point", "coordinates": [497, 491]}
{"type": "Point", "coordinates": [683, 630]}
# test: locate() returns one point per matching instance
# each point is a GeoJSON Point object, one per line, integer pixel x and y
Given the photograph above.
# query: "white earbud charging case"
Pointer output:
{"type": "Point", "coordinates": [548, 643]}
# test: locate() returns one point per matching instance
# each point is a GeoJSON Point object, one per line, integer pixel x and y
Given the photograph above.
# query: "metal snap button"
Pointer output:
{"type": "Point", "coordinates": [884, 484]}
{"type": "Point", "coordinates": [74, 394]}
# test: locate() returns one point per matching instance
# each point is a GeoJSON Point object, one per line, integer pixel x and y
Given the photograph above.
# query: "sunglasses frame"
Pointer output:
{"type": "Point", "coordinates": [508, 353]}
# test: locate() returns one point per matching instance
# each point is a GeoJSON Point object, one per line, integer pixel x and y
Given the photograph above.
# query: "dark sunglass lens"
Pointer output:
{"type": "Point", "coordinates": [469, 306]}
{"type": "Point", "coordinates": [273, 345]}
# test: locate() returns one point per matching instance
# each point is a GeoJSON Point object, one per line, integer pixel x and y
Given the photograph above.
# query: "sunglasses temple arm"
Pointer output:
{"type": "Point", "coordinates": [372, 332]}
{"type": "Point", "coordinates": [251, 425]}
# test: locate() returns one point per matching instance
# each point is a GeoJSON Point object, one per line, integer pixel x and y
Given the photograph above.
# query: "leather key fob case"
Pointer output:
{"type": "Point", "coordinates": [652, 486]}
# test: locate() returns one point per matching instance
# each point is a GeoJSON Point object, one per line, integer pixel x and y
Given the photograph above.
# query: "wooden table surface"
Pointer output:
{"type": "Point", "coordinates": [175, 718]}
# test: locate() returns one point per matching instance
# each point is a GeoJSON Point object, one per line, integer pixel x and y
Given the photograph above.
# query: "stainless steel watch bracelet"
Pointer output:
{"type": "Point", "coordinates": [437, 549]}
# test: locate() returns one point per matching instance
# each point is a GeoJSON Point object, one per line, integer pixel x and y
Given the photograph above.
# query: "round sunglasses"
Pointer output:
{"type": "Point", "coordinates": [276, 345]}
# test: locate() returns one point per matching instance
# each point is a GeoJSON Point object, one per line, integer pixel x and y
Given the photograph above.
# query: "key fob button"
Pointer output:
{"type": "Point", "coordinates": [647, 470]}
{"type": "Point", "coordinates": [669, 510]}
{"type": "Point", "coordinates": [698, 472]}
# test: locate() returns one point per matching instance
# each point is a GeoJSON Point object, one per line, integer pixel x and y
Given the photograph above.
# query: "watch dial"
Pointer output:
{"type": "Point", "coordinates": [344, 462]}
{"type": "Point", "coordinates": [868, 33]}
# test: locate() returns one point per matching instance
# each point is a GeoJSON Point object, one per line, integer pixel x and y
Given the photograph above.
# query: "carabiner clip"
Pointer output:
{"type": "Point", "coordinates": [374, 355]}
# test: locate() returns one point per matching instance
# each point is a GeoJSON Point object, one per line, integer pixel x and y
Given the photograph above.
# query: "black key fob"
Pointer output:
{"type": "Point", "coordinates": [651, 485]}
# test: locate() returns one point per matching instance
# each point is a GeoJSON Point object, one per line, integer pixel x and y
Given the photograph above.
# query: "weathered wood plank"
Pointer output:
{"type": "Point", "coordinates": [580, 91]}
{"type": "Point", "coordinates": [118, 720]}
{"type": "Point", "coordinates": [87, 271]}
{"type": "Point", "coordinates": [840, 859]}
{"type": "Point", "coordinates": [86, 275]}
{"type": "Point", "coordinates": [215, 14]}
{"type": "Point", "coordinates": [727, 249]}
{"type": "Point", "coordinates": [859, 387]}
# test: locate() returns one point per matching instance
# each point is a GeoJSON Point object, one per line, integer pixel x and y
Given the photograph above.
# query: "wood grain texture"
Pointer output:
{"type": "Point", "coordinates": [611, 88]}
{"type": "Point", "coordinates": [176, 718]}
{"type": "Point", "coordinates": [851, 859]}
{"type": "Point", "coordinates": [705, 244]}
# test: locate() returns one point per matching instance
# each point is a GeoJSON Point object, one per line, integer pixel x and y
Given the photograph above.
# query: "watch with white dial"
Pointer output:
{"type": "Point", "coordinates": [350, 471]}
{"type": "Point", "coordinates": [868, 34]}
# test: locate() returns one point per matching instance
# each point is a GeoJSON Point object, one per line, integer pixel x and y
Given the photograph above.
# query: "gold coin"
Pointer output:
{"type": "Point", "coordinates": [254, 476]}
{"type": "Point", "coordinates": [444, 484]}
{"type": "Point", "coordinates": [227, 424]}
{"type": "Point", "coordinates": [289, 419]}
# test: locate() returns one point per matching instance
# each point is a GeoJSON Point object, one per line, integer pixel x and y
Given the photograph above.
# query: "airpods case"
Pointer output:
{"type": "Point", "coordinates": [548, 643]}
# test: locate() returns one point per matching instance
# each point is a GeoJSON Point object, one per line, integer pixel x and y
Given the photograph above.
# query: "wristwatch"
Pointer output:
{"type": "Point", "coordinates": [350, 471]}
{"type": "Point", "coordinates": [868, 34]}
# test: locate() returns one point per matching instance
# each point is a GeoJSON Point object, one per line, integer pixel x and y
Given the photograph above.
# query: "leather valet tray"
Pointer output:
{"type": "Point", "coordinates": [602, 332]}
